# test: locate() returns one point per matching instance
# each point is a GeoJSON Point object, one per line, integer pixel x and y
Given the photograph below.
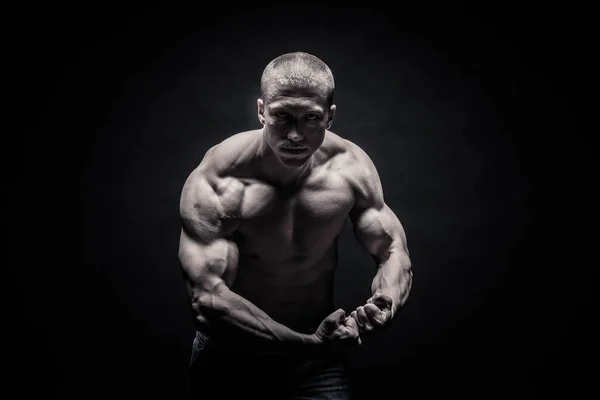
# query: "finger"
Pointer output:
{"type": "Point", "coordinates": [353, 330]}
{"type": "Point", "coordinates": [354, 314]}
{"type": "Point", "coordinates": [375, 315]}
{"type": "Point", "coordinates": [355, 317]}
{"type": "Point", "coordinates": [338, 316]}
{"type": "Point", "coordinates": [363, 319]}
{"type": "Point", "coordinates": [336, 319]}
{"type": "Point", "coordinates": [382, 301]}
{"type": "Point", "coordinates": [352, 326]}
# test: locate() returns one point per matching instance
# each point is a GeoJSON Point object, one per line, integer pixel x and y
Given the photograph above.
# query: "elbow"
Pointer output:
{"type": "Point", "coordinates": [205, 310]}
{"type": "Point", "coordinates": [201, 300]}
{"type": "Point", "coordinates": [200, 308]}
{"type": "Point", "coordinates": [206, 303]}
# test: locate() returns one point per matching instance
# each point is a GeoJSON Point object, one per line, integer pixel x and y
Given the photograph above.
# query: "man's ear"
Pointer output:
{"type": "Point", "coordinates": [261, 110]}
{"type": "Point", "coordinates": [331, 116]}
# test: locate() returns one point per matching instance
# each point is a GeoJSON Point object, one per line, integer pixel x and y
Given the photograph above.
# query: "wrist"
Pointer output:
{"type": "Point", "coordinates": [313, 339]}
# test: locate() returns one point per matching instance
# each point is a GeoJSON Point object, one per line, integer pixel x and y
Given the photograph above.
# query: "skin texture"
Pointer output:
{"type": "Point", "coordinates": [260, 222]}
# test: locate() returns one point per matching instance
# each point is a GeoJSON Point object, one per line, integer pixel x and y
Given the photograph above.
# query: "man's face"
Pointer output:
{"type": "Point", "coordinates": [295, 123]}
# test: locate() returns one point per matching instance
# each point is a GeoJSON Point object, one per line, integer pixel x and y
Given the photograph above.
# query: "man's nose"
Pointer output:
{"type": "Point", "coordinates": [294, 135]}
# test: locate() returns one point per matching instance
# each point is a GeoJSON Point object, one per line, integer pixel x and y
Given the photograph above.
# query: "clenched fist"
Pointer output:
{"type": "Point", "coordinates": [338, 331]}
{"type": "Point", "coordinates": [374, 314]}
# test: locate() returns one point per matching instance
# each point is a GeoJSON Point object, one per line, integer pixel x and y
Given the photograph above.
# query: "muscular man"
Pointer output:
{"type": "Point", "coordinates": [261, 215]}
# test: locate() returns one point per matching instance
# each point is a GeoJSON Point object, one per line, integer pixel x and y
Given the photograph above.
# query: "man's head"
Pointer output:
{"type": "Point", "coordinates": [296, 105]}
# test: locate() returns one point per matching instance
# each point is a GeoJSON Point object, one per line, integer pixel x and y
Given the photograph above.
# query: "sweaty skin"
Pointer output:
{"type": "Point", "coordinates": [260, 224]}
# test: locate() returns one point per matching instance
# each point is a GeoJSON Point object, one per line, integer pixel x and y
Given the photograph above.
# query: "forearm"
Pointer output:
{"type": "Point", "coordinates": [241, 323]}
{"type": "Point", "coordinates": [394, 279]}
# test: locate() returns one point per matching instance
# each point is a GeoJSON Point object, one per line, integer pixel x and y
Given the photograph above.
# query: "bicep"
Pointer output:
{"type": "Point", "coordinates": [379, 230]}
{"type": "Point", "coordinates": [375, 225]}
{"type": "Point", "coordinates": [207, 265]}
{"type": "Point", "coordinates": [208, 258]}
{"type": "Point", "coordinates": [208, 269]}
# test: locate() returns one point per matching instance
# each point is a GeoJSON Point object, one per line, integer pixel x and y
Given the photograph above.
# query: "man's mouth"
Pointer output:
{"type": "Point", "coordinates": [294, 150]}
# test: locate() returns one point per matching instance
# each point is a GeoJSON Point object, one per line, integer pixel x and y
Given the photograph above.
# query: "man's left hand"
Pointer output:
{"type": "Point", "coordinates": [374, 314]}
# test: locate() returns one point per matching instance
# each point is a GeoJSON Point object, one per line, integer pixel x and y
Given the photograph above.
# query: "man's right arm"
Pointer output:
{"type": "Point", "coordinates": [209, 258]}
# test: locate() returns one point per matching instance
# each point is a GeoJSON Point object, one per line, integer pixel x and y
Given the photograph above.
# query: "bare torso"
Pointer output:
{"type": "Point", "coordinates": [287, 235]}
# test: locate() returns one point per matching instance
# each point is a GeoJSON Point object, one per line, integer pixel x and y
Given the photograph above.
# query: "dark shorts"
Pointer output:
{"type": "Point", "coordinates": [218, 374]}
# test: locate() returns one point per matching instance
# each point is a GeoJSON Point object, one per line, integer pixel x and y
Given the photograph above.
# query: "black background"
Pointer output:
{"type": "Point", "coordinates": [469, 116]}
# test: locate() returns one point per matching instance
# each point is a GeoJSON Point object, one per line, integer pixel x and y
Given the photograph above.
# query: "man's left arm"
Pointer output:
{"type": "Point", "coordinates": [379, 230]}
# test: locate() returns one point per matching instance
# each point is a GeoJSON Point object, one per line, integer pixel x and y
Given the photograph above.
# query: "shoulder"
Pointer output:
{"type": "Point", "coordinates": [212, 184]}
{"type": "Point", "coordinates": [351, 159]}
{"type": "Point", "coordinates": [358, 169]}
{"type": "Point", "coordinates": [230, 155]}
{"type": "Point", "coordinates": [225, 160]}
{"type": "Point", "coordinates": [347, 153]}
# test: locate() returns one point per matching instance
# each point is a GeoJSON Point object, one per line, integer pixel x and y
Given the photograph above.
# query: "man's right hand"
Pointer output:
{"type": "Point", "coordinates": [338, 331]}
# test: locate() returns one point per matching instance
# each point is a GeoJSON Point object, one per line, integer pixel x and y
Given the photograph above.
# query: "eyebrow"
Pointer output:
{"type": "Point", "coordinates": [287, 105]}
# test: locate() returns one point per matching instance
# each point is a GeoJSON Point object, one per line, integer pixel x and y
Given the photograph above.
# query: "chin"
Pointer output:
{"type": "Point", "coordinates": [294, 161]}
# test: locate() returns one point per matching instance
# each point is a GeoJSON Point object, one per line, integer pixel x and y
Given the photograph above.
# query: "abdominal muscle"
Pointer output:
{"type": "Point", "coordinates": [297, 293]}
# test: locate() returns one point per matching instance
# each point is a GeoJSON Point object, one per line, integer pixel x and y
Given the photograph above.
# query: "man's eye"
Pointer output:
{"type": "Point", "coordinates": [280, 114]}
{"type": "Point", "coordinates": [312, 117]}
